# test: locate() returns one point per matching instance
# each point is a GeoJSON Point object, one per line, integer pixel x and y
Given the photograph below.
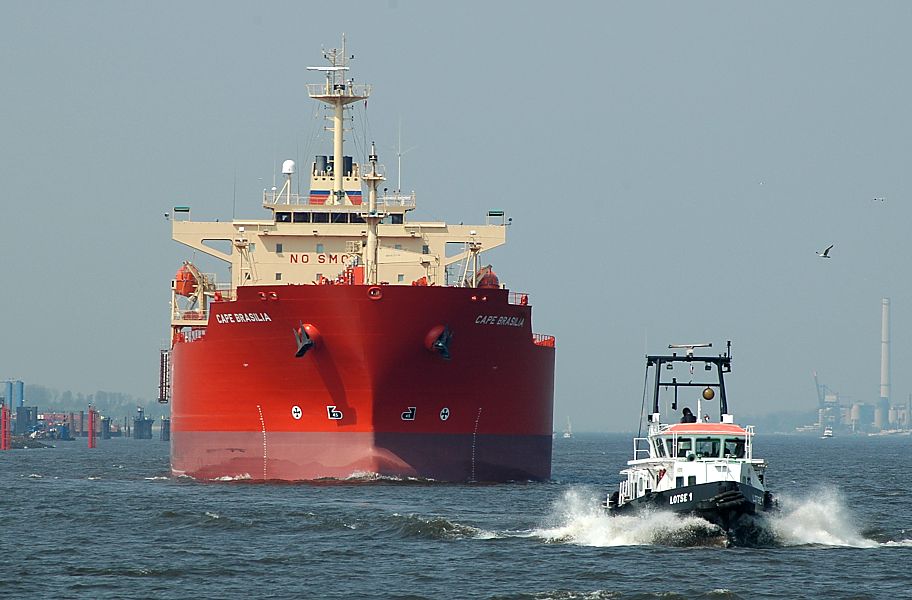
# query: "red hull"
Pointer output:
{"type": "Point", "coordinates": [244, 405]}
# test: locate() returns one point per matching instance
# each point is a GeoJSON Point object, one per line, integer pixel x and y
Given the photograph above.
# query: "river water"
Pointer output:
{"type": "Point", "coordinates": [112, 523]}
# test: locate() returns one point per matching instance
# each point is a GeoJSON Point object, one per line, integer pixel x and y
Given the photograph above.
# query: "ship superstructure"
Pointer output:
{"type": "Point", "coordinates": [351, 338]}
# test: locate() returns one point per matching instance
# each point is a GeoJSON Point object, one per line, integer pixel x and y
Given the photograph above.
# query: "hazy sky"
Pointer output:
{"type": "Point", "coordinates": [670, 168]}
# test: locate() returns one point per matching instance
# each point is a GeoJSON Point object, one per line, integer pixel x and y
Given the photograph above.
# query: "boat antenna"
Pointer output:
{"type": "Point", "coordinates": [643, 406]}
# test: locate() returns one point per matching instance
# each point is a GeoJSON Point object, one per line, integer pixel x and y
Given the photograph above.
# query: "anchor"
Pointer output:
{"type": "Point", "coordinates": [305, 342]}
{"type": "Point", "coordinates": [442, 343]}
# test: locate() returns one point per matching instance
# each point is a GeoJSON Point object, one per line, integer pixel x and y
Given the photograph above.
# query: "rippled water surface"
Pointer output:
{"type": "Point", "coordinates": [111, 523]}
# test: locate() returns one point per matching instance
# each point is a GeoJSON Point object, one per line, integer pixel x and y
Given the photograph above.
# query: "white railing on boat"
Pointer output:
{"type": "Point", "coordinates": [518, 298]}
{"type": "Point", "coordinates": [359, 90]}
{"type": "Point", "coordinates": [637, 449]}
{"type": "Point", "coordinates": [275, 198]}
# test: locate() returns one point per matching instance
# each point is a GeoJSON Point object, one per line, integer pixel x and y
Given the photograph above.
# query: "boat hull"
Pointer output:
{"type": "Point", "coordinates": [372, 396]}
{"type": "Point", "coordinates": [727, 504]}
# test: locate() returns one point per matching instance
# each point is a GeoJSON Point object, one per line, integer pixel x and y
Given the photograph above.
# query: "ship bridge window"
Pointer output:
{"type": "Point", "coordinates": [708, 447]}
{"type": "Point", "coordinates": [660, 448]}
{"type": "Point", "coordinates": [278, 248]}
{"type": "Point", "coordinates": [320, 218]}
{"type": "Point", "coordinates": [301, 217]}
{"type": "Point", "coordinates": [734, 447]}
{"type": "Point", "coordinates": [685, 445]}
{"type": "Point", "coordinates": [396, 219]}
{"type": "Point", "coordinates": [357, 219]}
{"type": "Point", "coordinates": [340, 217]}
{"type": "Point", "coordinates": [283, 217]}
{"type": "Point", "coordinates": [320, 249]}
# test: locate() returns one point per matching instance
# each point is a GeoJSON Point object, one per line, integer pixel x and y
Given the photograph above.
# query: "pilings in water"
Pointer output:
{"type": "Point", "coordinates": [5, 423]}
{"type": "Point", "coordinates": [165, 432]}
{"type": "Point", "coordinates": [91, 427]}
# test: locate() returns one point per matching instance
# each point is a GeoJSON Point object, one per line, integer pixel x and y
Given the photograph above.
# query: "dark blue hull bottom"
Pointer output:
{"type": "Point", "coordinates": [727, 504]}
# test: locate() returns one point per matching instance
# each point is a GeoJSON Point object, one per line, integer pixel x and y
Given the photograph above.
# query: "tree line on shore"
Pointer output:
{"type": "Point", "coordinates": [112, 403]}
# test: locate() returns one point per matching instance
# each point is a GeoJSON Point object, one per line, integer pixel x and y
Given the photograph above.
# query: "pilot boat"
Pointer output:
{"type": "Point", "coordinates": [698, 466]}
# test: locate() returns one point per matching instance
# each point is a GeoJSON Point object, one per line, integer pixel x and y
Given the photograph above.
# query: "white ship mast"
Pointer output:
{"type": "Point", "coordinates": [337, 92]}
{"type": "Point", "coordinates": [373, 219]}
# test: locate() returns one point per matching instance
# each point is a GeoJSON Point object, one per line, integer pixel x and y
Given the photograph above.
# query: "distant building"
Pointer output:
{"type": "Point", "coordinates": [26, 419]}
{"type": "Point", "coordinates": [14, 393]}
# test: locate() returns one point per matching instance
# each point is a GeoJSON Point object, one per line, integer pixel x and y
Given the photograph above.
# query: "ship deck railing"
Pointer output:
{"type": "Point", "coordinates": [540, 339]}
{"type": "Point", "coordinates": [274, 198]}
{"type": "Point", "coordinates": [518, 298]}
{"type": "Point", "coordinates": [341, 90]}
{"type": "Point", "coordinates": [194, 335]}
{"type": "Point", "coordinates": [198, 317]}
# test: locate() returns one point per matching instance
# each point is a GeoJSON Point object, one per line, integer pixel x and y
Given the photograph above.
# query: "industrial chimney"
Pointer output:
{"type": "Point", "coordinates": [883, 406]}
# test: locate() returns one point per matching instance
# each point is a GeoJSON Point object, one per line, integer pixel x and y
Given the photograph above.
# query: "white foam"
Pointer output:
{"type": "Point", "coordinates": [822, 518]}
{"type": "Point", "coordinates": [212, 515]}
{"type": "Point", "coordinates": [241, 477]}
{"type": "Point", "coordinates": [578, 518]}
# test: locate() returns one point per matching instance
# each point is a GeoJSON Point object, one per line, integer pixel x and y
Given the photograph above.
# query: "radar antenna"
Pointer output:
{"type": "Point", "coordinates": [690, 347]}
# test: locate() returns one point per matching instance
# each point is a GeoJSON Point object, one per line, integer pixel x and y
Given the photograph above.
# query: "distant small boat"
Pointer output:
{"type": "Point", "coordinates": [827, 432]}
{"type": "Point", "coordinates": [568, 432]}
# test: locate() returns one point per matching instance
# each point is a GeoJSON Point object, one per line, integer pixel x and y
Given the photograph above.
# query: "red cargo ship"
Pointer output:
{"type": "Point", "coordinates": [351, 340]}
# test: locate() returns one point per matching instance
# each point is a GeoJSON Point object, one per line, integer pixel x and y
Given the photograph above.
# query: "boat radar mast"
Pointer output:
{"type": "Point", "coordinates": [337, 92]}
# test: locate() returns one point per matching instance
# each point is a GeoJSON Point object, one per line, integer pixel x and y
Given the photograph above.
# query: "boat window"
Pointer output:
{"type": "Point", "coordinates": [301, 217]}
{"type": "Point", "coordinates": [396, 219]}
{"type": "Point", "coordinates": [679, 481]}
{"type": "Point", "coordinates": [660, 448]}
{"type": "Point", "coordinates": [684, 446]}
{"type": "Point", "coordinates": [320, 218]}
{"type": "Point", "coordinates": [734, 447]}
{"type": "Point", "coordinates": [708, 447]}
{"type": "Point", "coordinates": [283, 217]}
{"type": "Point", "coordinates": [340, 217]}
{"type": "Point", "coordinates": [357, 219]}
{"type": "Point", "coordinates": [670, 445]}
{"type": "Point", "coordinates": [278, 248]}
{"type": "Point", "coordinates": [320, 249]}
{"type": "Point", "coordinates": [692, 480]}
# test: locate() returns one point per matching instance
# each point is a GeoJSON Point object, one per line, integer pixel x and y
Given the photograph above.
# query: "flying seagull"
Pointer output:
{"type": "Point", "coordinates": [826, 253]}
